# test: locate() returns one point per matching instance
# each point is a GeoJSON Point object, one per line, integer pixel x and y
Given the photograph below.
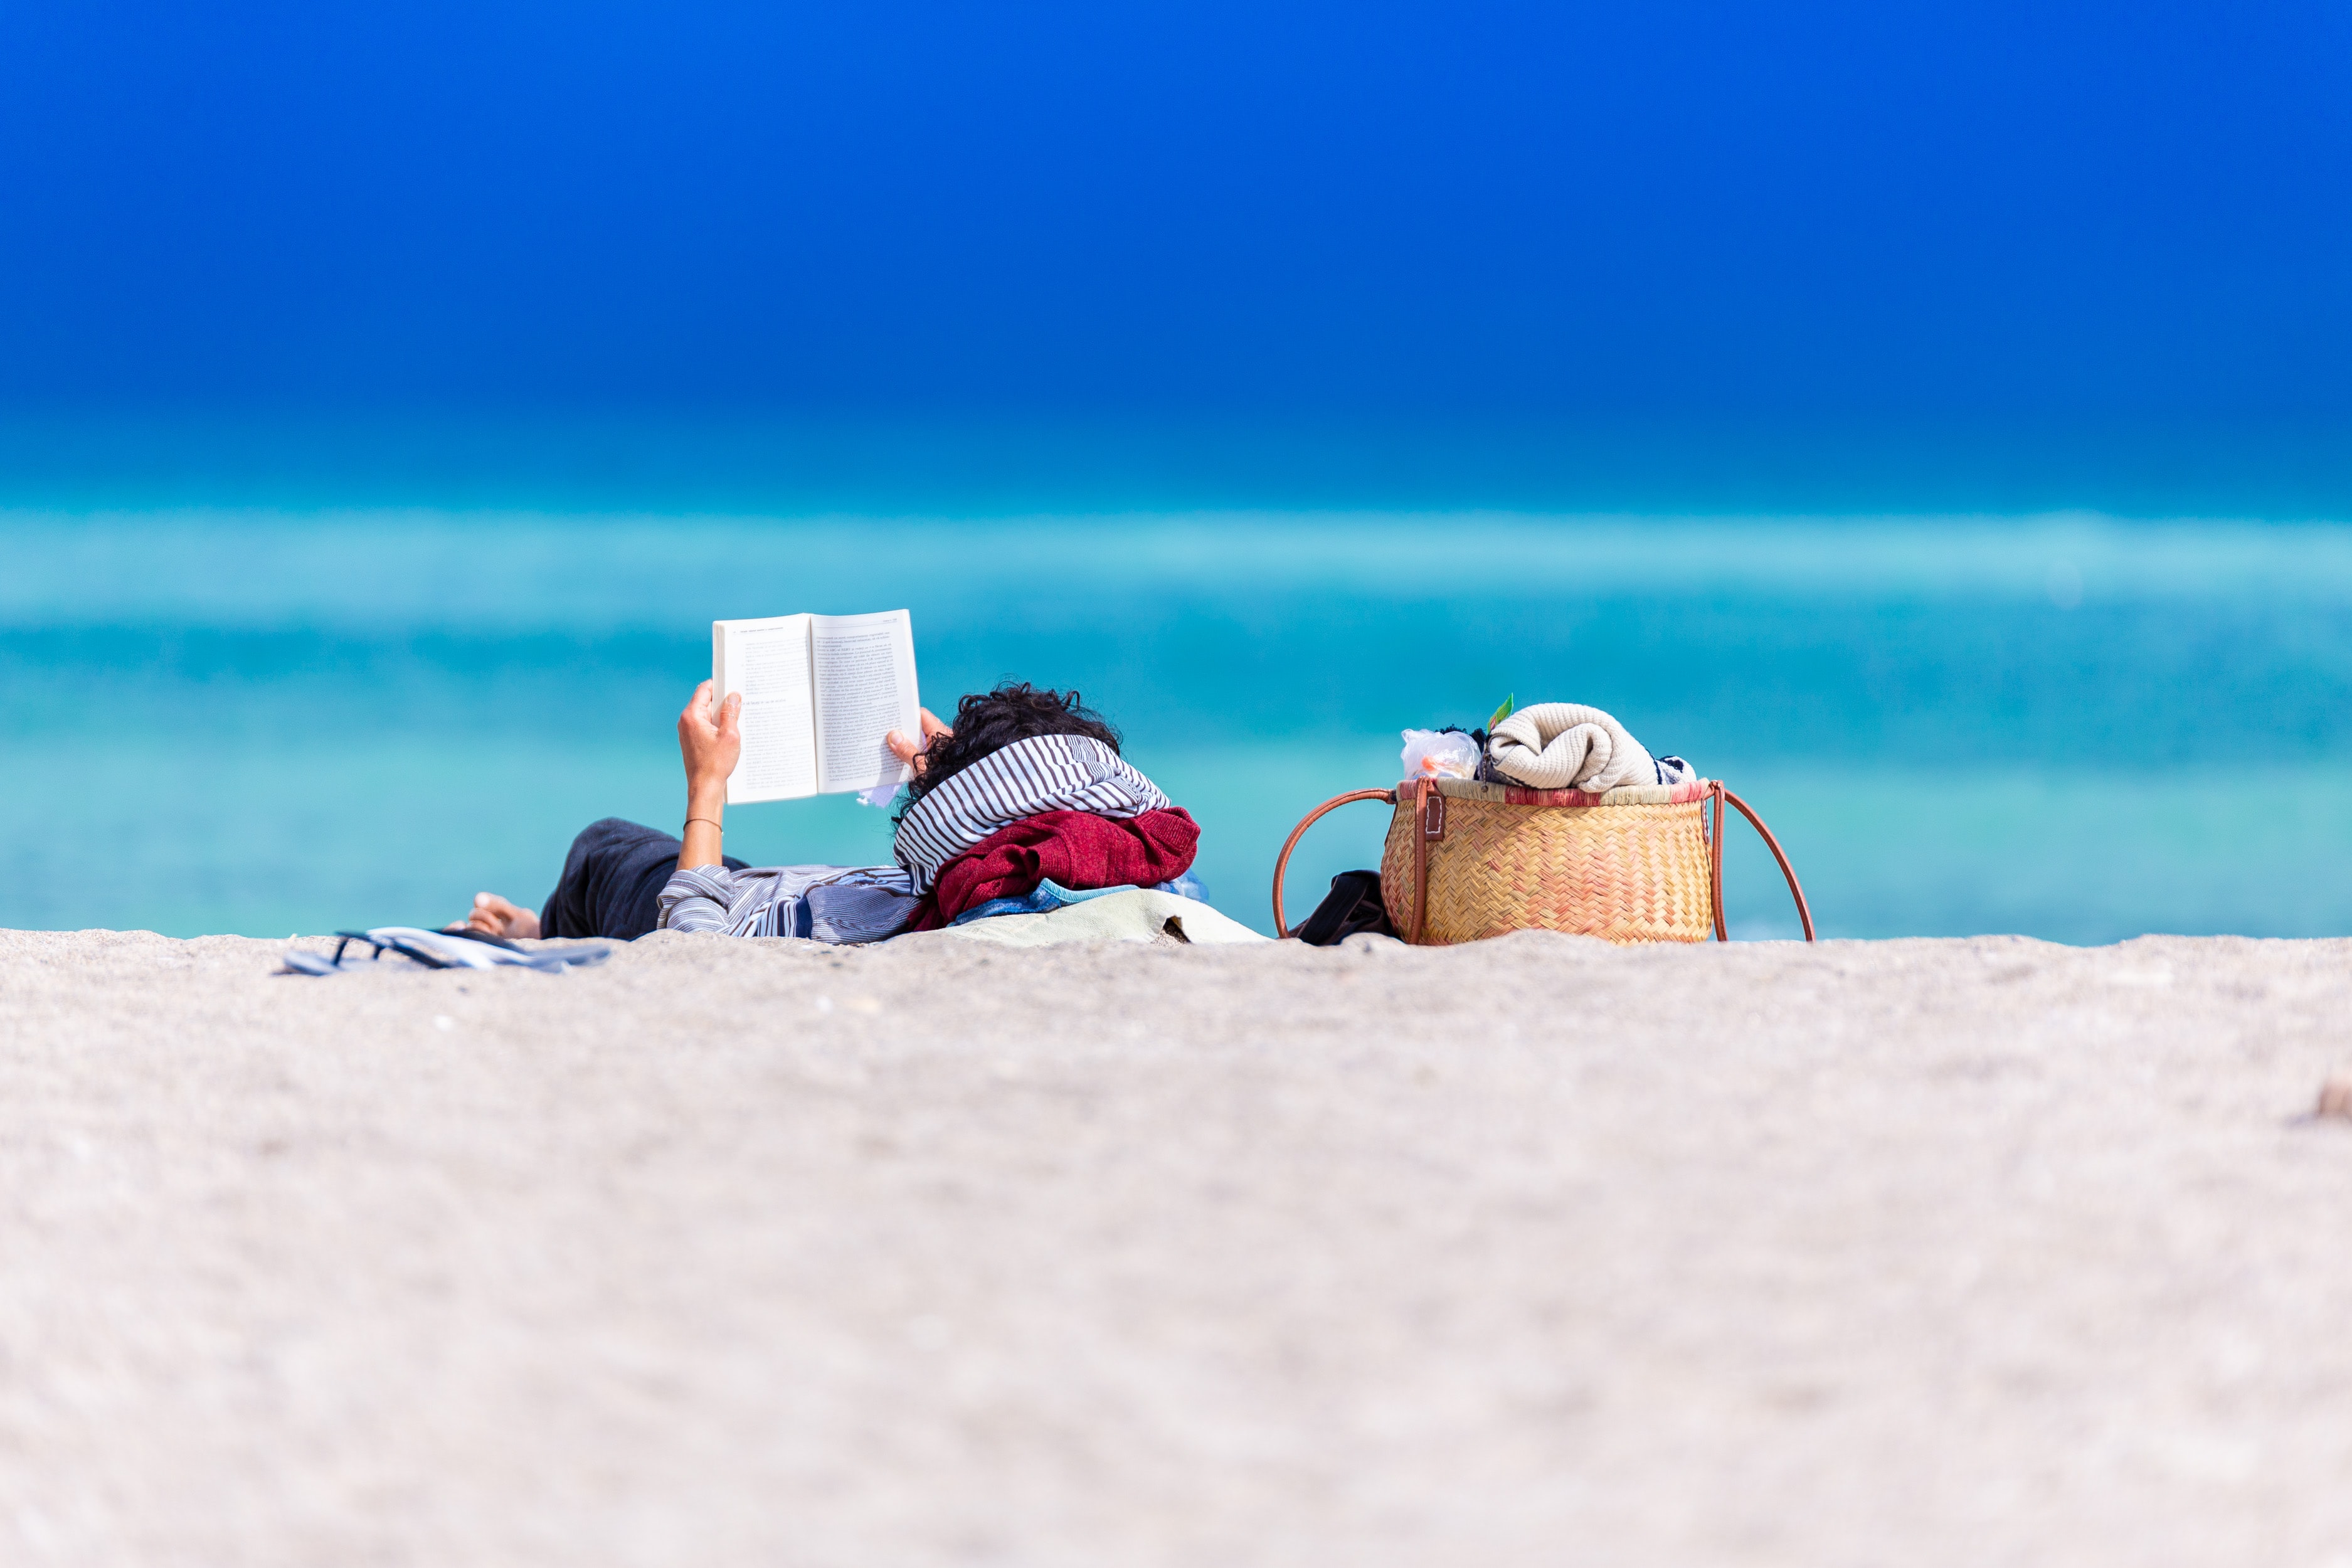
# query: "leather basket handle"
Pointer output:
{"type": "Point", "coordinates": [1717, 792]}
{"type": "Point", "coordinates": [1714, 858]}
{"type": "Point", "coordinates": [1282, 861]}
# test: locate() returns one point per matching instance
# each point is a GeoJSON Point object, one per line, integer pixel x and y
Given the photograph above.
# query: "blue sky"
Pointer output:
{"type": "Point", "coordinates": [1670, 212]}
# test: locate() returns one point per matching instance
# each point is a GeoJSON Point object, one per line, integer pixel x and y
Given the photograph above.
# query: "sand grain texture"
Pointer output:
{"type": "Point", "coordinates": [1533, 1252]}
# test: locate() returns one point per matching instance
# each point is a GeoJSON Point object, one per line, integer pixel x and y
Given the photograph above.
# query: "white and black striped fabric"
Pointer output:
{"type": "Point", "coordinates": [828, 904]}
{"type": "Point", "coordinates": [1042, 774]}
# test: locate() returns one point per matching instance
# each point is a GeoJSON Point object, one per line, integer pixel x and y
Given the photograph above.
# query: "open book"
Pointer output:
{"type": "Point", "coordinates": [820, 693]}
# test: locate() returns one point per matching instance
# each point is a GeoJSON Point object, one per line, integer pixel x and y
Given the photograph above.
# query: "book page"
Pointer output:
{"type": "Point", "coordinates": [768, 662]}
{"type": "Point", "coordinates": [864, 688]}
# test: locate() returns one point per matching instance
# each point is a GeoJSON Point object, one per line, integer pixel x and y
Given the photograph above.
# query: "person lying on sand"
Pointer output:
{"type": "Point", "coordinates": [1027, 784]}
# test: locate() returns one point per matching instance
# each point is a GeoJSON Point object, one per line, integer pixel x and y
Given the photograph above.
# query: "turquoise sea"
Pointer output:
{"type": "Point", "coordinates": [267, 720]}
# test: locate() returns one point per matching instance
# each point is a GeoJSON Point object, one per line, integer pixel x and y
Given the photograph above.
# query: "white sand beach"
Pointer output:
{"type": "Point", "coordinates": [1533, 1252]}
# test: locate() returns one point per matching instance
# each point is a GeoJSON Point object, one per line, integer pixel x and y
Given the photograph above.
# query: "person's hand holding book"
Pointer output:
{"type": "Point", "coordinates": [909, 750]}
{"type": "Point", "coordinates": [710, 741]}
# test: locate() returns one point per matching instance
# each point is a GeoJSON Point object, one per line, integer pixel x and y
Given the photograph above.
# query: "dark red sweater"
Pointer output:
{"type": "Point", "coordinates": [1075, 848]}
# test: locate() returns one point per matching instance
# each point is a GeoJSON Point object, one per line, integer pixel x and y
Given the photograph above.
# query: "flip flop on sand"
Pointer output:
{"type": "Point", "coordinates": [441, 950]}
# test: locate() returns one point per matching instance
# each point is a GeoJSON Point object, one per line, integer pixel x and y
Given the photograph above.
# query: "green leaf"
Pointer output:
{"type": "Point", "coordinates": [1503, 712]}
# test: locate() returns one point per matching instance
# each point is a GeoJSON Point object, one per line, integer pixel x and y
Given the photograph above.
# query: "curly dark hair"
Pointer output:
{"type": "Point", "coordinates": [988, 721]}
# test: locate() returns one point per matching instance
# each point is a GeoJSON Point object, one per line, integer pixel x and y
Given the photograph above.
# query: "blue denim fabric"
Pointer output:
{"type": "Point", "coordinates": [1051, 896]}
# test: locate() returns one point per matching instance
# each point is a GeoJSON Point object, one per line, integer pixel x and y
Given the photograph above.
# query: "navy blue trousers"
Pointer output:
{"type": "Point", "coordinates": [613, 880]}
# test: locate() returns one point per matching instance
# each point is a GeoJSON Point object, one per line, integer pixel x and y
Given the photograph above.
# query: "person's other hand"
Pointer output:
{"type": "Point", "coordinates": [711, 744]}
{"type": "Point", "coordinates": [907, 749]}
{"type": "Point", "coordinates": [500, 917]}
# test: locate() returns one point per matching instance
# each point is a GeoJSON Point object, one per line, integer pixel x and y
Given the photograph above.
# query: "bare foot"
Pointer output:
{"type": "Point", "coordinates": [497, 916]}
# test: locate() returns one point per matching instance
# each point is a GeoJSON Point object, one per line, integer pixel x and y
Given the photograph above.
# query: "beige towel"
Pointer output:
{"type": "Point", "coordinates": [1566, 745]}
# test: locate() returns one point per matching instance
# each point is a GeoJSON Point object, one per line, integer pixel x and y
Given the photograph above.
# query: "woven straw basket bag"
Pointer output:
{"type": "Point", "coordinates": [1467, 860]}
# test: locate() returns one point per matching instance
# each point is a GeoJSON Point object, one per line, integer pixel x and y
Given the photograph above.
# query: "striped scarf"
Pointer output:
{"type": "Point", "coordinates": [1043, 772]}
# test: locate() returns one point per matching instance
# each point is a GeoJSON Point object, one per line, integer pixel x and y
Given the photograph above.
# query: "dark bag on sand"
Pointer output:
{"type": "Point", "coordinates": [1352, 905]}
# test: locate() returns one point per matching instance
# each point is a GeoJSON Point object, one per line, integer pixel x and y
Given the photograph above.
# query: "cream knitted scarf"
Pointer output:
{"type": "Point", "coordinates": [1566, 745]}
